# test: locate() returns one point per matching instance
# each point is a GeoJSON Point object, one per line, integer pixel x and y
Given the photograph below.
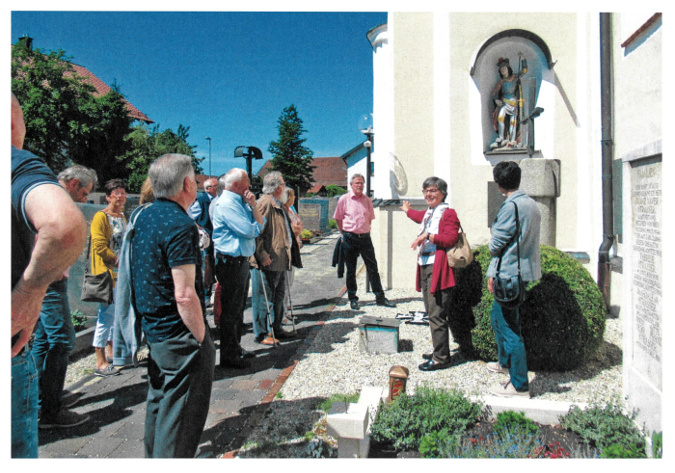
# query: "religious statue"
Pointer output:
{"type": "Point", "coordinates": [508, 100]}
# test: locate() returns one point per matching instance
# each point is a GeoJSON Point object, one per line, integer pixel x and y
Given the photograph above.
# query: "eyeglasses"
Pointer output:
{"type": "Point", "coordinates": [430, 191]}
{"type": "Point", "coordinates": [118, 194]}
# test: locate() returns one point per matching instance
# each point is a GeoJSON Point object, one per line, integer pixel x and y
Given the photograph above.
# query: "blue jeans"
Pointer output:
{"type": "Point", "coordinates": [54, 340]}
{"type": "Point", "coordinates": [24, 406]}
{"type": "Point", "coordinates": [275, 292]}
{"type": "Point", "coordinates": [105, 321]}
{"type": "Point", "coordinates": [510, 345]}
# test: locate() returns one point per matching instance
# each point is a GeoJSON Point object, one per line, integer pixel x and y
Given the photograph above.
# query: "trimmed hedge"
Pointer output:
{"type": "Point", "coordinates": [562, 317]}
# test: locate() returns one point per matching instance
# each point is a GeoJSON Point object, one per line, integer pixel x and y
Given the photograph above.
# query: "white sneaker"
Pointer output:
{"type": "Point", "coordinates": [507, 390]}
{"type": "Point", "coordinates": [495, 367]}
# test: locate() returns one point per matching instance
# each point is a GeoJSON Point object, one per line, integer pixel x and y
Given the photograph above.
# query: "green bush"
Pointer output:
{"type": "Point", "coordinates": [657, 444]}
{"type": "Point", "coordinates": [306, 234]}
{"type": "Point", "coordinates": [79, 320]}
{"type": "Point", "coordinates": [562, 317]}
{"type": "Point", "coordinates": [332, 190]}
{"type": "Point", "coordinates": [510, 421]}
{"type": "Point", "coordinates": [403, 422]}
{"type": "Point", "coordinates": [332, 224]}
{"type": "Point", "coordinates": [607, 428]}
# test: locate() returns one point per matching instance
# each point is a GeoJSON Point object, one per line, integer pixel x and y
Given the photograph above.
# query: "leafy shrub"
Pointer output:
{"type": "Point", "coordinates": [606, 427]}
{"type": "Point", "coordinates": [562, 318]}
{"type": "Point", "coordinates": [403, 422]}
{"type": "Point", "coordinates": [518, 444]}
{"type": "Point", "coordinates": [332, 224]}
{"type": "Point", "coordinates": [619, 451]}
{"type": "Point", "coordinates": [306, 234]}
{"type": "Point", "coordinates": [434, 444]}
{"type": "Point", "coordinates": [510, 421]}
{"type": "Point", "coordinates": [79, 320]}
{"type": "Point", "coordinates": [332, 190]}
{"type": "Point", "coordinates": [657, 444]}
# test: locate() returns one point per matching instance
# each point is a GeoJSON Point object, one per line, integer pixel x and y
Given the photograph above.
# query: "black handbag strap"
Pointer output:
{"type": "Point", "coordinates": [515, 237]}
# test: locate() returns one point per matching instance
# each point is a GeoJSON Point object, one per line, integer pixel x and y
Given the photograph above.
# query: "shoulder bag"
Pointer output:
{"type": "Point", "coordinates": [460, 255]}
{"type": "Point", "coordinates": [96, 287]}
{"type": "Point", "coordinates": [510, 292]}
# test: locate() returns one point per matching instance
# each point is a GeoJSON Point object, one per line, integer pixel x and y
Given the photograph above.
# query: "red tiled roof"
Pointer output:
{"type": "Point", "coordinates": [327, 171]}
{"type": "Point", "coordinates": [102, 88]}
{"type": "Point", "coordinates": [200, 178]}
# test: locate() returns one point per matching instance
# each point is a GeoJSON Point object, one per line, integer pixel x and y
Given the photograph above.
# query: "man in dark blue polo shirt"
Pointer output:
{"type": "Point", "coordinates": [48, 234]}
{"type": "Point", "coordinates": [169, 299]}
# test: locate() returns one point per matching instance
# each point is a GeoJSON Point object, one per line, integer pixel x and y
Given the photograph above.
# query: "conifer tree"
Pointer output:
{"type": "Point", "coordinates": [290, 156]}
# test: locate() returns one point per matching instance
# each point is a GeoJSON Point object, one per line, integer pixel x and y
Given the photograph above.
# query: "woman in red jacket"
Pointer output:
{"type": "Point", "coordinates": [439, 228]}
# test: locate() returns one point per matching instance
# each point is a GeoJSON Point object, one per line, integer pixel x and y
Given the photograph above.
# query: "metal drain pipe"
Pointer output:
{"type": "Point", "coordinates": [604, 267]}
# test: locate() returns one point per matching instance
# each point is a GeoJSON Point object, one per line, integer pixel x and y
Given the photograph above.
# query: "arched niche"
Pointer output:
{"type": "Point", "coordinates": [485, 76]}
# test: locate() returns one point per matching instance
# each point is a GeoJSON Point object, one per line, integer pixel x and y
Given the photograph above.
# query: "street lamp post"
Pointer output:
{"type": "Point", "coordinates": [249, 153]}
{"type": "Point", "coordinates": [209, 155]}
{"type": "Point", "coordinates": [366, 127]}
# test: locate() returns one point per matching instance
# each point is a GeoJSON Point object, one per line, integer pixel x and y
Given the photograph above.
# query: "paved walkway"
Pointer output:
{"type": "Point", "coordinates": [239, 397]}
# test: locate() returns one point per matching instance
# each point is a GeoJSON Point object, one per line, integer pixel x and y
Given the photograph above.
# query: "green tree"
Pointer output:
{"type": "Point", "coordinates": [290, 156]}
{"type": "Point", "coordinates": [149, 144]}
{"type": "Point", "coordinates": [57, 105]}
{"type": "Point", "coordinates": [65, 122]}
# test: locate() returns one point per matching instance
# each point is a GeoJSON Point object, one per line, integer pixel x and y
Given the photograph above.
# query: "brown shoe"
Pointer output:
{"type": "Point", "coordinates": [270, 341]}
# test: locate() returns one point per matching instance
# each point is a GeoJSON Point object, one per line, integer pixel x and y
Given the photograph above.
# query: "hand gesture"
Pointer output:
{"type": "Point", "coordinates": [406, 206]}
{"type": "Point", "coordinates": [249, 198]}
{"type": "Point", "coordinates": [419, 241]}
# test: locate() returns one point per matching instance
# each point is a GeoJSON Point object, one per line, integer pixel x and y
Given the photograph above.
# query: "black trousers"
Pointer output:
{"type": "Point", "coordinates": [353, 246]}
{"type": "Point", "coordinates": [180, 375]}
{"type": "Point", "coordinates": [233, 274]}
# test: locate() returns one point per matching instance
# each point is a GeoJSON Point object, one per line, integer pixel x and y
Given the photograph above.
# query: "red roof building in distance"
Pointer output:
{"type": "Point", "coordinates": [327, 171]}
{"type": "Point", "coordinates": [102, 89]}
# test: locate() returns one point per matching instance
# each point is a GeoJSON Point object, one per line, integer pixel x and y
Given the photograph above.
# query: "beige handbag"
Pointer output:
{"type": "Point", "coordinates": [460, 255]}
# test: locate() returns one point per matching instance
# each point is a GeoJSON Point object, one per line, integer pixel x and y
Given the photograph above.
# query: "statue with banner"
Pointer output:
{"type": "Point", "coordinates": [507, 97]}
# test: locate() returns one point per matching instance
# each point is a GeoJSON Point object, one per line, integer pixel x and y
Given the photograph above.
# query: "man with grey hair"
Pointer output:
{"type": "Point", "coordinates": [168, 297]}
{"type": "Point", "coordinates": [276, 250]}
{"type": "Point", "coordinates": [79, 181]}
{"type": "Point", "coordinates": [54, 331]}
{"type": "Point", "coordinates": [353, 214]}
{"type": "Point", "coordinates": [236, 223]}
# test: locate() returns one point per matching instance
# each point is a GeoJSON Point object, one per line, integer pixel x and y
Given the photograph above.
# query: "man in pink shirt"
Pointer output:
{"type": "Point", "coordinates": [353, 215]}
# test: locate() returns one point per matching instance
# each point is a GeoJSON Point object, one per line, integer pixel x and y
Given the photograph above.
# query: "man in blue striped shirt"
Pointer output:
{"type": "Point", "coordinates": [236, 224]}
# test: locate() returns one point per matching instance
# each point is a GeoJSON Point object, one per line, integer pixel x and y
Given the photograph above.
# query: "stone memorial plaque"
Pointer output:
{"type": "Point", "coordinates": [645, 280]}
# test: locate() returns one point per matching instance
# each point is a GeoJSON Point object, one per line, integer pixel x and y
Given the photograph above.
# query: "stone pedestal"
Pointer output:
{"type": "Point", "coordinates": [540, 179]}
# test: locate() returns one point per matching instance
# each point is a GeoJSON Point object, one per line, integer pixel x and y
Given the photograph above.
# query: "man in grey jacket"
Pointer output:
{"type": "Point", "coordinates": [506, 322]}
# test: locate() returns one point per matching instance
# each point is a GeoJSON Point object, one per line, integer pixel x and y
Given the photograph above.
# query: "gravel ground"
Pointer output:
{"type": "Point", "coordinates": [333, 364]}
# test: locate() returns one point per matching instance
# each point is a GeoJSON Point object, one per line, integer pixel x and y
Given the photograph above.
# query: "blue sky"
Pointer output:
{"type": "Point", "coordinates": [226, 75]}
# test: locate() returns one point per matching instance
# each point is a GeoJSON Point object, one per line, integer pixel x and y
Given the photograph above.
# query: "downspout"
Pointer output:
{"type": "Point", "coordinates": [604, 266]}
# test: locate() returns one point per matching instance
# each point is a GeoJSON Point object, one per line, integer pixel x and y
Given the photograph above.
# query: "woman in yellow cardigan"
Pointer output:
{"type": "Point", "coordinates": [107, 230]}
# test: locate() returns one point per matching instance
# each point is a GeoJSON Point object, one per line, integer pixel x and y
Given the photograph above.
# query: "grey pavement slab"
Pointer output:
{"type": "Point", "coordinates": [117, 404]}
